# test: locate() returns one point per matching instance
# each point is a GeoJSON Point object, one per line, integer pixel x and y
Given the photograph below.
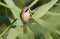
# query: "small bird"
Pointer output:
{"type": "Point", "coordinates": [25, 14]}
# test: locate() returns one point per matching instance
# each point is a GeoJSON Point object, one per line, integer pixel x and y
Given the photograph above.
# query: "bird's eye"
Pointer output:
{"type": "Point", "coordinates": [26, 10]}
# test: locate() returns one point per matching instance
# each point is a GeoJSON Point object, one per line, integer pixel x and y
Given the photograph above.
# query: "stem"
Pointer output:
{"type": "Point", "coordinates": [34, 2]}
{"type": "Point", "coordinates": [24, 27]}
{"type": "Point", "coordinates": [4, 31]}
{"type": "Point", "coordinates": [7, 28]}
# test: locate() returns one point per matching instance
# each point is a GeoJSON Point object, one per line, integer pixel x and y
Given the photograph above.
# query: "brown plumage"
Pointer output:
{"type": "Point", "coordinates": [25, 15]}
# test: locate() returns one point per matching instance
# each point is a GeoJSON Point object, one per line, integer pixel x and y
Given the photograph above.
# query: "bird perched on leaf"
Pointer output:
{"type": "Point", "coordinates": [25, 16]}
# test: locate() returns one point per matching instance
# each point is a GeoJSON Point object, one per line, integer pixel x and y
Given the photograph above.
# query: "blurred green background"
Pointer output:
{"type": "Point", "coordinates": [44, 22]}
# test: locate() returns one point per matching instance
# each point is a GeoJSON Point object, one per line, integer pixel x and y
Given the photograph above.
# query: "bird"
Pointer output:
{"type": "Point", "coordinates": [25, 14]}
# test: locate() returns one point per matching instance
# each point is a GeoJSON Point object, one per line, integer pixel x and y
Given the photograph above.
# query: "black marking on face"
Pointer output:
{"type": "Point", "coordinates": [26, 10]}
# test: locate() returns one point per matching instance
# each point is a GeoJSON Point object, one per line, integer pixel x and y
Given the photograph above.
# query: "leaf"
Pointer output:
{"type": "Point", "coordinates": [29, 34]}
{"type": "Point", "coordinates": [47, 35]}
{"type": "Point", "coordinates": [37, 27]}
{"type": "Point", "coordinates": [0, 38]}
{"type": "Point", "coordinates": [43, 9]}
{"type": "Point", "coordinates": [52, 13]}
{"type": "Point", "coordinates": [45, 24]}
{"type": "Point", "coordinates": [42, 22]}
{"type": "Point", "coordinates": [19, 3]}
{"type": "Point", "coordinates": [57, 4]}
{"type": "Point", "coordinates": [20, 33]}
{"type": "Point", "coordinates": [57, 31]}
{"type": "Point", "coordinates": [15, 13]}
{"type": "Point", "coordinates": [12, 34]}
{"type": "Point", "coordinates": [38, 30]}
{"type": "Point", "coordinates": [17, 9]}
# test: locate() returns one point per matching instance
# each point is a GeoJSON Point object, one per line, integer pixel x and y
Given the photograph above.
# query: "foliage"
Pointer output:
{"type": "Point", "coordinates": [44, 22]}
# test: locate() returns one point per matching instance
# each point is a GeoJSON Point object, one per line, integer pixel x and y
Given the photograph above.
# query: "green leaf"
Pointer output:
{"type": "Point", "coordinates": [57, 31]}
{"type": "Point", "coordinates": [42, 22]}
{"type": "Point", "coordinates": [29, 34]}
{"type": "Point", "coordinates": [15, 13]}
{"type": "Point", "coordinates": [47, 35]}
{"type": "Point", "coordinates": [0, 38]}
{"type": "Point", "coordinates": [37, 29]}
{"type": "Point", "coordinates": [45, 24]}
{"type": "Point", "coordinates": [57, 4]}
{"type": "Point", "coordinates": [43, 9]}
{"type": "Point", "coordinates": [12, 34]}
{"type": "Point", "coordinates": [21, 34]}
{"type": "Point", "coordinates": [10, 7]}
{"type": "Point", "coordinates": [19, 3]}
{"type": "Point", "coordinates": [52, 13]}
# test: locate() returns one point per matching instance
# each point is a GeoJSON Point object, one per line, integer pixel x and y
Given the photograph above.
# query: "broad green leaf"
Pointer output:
{"type": "Point", "coordinates": [29, 34]}
{"type": "Point", "coordinates": [42, 22]}
{"type": "Point", "coordinates": [0, 38]}
{"type": "Point", "coordinates": [34, 28]}
{"type": "Point", "coordinates": [21, 34]}
{"type": "Point", "coordinates": [15, 13]}
{"type": "Point", "coordinates": [52, 13]}
{"type": "Point", "coordinates": [37, 29]}
{"type": "Point", "coordinates": [53, 20]}
{"type": "Point", "coordinates": [47, 35]}
{"type": "Point", "coordinates": [57, 4]}
{"type": "Point", "coordinates": [19, 3]}
{"type": "Point", "coordinates": [49, 13]}
{"type": "Point", "coordinates": [12, 34]}
{"type": "Point", "coordinates": [58, 32]}
{"type": "Point", "coordinates": [45, 24]}
{"type": "Point", "coordinates": [43, 9]}
{"type": "Point", "coordinates": [55, 9]}
{"type": "Point", "coordinates": [39, 26]}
